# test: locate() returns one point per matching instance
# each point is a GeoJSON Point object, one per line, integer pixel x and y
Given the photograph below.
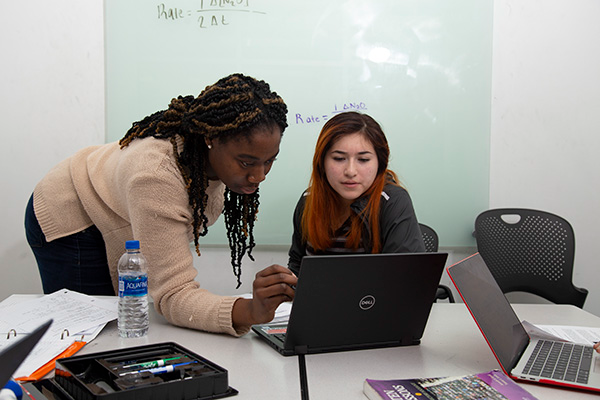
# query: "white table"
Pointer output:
{"type": "Point", "coordinates": [452, 345]}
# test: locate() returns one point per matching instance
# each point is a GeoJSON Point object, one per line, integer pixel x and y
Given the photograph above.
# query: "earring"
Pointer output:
{"type": "Point", "coordinates": [209, 146]}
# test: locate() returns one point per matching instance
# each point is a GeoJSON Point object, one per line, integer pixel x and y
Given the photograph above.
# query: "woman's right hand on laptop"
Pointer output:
{"type": "Point", "coordinates": [271, 287]}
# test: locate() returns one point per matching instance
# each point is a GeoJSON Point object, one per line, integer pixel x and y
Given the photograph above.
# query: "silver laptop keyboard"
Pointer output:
{"type": "Point", "coordinates": [561, 361]}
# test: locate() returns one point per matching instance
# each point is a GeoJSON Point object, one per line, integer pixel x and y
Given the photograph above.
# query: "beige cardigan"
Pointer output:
{"type": "Point", "coordinates": [138, 193]}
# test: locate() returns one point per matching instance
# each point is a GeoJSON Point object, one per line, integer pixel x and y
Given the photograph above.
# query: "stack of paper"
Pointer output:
{"type": "Point", "coordinates": [575, 334]}
{"type": "Point", "coordinates": [76, 318]}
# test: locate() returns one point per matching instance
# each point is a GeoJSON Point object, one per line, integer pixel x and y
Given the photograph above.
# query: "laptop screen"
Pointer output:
{"type": "Point", "coordinates": [357, 301]}
{"type": "Point", "coordinates": [490, 309]}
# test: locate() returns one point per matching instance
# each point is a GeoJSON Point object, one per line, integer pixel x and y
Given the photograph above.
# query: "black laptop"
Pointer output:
{"type": "Point", "coordinates": [521, 357]}
{"type": "Point", "coordinates": [350, 302]}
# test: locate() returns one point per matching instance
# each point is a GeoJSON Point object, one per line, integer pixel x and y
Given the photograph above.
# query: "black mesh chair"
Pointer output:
{"type": "Point", "coordinates": [530, 251]}
{"type": "Point", "coordinates": [431, 240]}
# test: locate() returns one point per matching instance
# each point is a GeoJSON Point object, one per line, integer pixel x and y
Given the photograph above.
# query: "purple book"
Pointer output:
{"type": "Point", "coordinates": [489, 385]}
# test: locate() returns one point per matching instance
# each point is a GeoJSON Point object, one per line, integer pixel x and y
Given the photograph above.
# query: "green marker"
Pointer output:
{"type": "Point", "coordinates": [152, 364]}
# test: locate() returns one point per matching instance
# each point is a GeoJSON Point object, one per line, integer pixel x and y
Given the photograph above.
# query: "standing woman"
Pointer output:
{"type": "Point", "coordinates": [164, 184]}
{"type": "Point", "coordinates": [354, 203]}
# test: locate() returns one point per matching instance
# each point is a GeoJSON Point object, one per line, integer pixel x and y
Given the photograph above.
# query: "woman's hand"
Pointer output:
{"type": "Point", "coordinates": [271, 287]}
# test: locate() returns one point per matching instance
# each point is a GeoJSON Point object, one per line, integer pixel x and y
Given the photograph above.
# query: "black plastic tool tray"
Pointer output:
{"type": "Point", "coordinates": [85, 377]}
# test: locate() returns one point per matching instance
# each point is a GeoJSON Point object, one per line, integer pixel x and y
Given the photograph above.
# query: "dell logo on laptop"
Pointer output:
{"type": "Point", "coordinates": [367, 302]}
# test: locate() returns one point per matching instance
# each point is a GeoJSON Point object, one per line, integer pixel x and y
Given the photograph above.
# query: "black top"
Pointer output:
{"type": "Point", "coordinates": [399, 228]}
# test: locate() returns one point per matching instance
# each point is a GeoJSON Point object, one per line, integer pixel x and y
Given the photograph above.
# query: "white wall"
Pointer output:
{"type": "Point", "coordinates": [545, 119]}
{"type": "Point", "coordinates": [545, 111]}
{"type": "Point", "coordinates": [52, 102]}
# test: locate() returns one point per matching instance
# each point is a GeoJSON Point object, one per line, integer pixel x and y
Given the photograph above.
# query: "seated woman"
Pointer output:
{"type": "Point", "coordinates": [354, 203]}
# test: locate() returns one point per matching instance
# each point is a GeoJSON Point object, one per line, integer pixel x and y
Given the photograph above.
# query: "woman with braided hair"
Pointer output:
{"type": "Point", "coordinates": [164, 183]}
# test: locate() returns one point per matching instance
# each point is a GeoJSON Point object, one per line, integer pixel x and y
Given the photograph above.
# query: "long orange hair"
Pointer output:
{"type": "Point", "coordinates": [322, 208]}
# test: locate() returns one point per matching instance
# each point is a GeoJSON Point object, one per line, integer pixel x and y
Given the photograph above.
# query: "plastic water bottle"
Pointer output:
{"type": "Point", "coordinates": [133, 292]}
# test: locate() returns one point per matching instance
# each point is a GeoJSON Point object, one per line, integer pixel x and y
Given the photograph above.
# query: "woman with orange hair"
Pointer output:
{"type": "Point", "coordinates": [354, 203]}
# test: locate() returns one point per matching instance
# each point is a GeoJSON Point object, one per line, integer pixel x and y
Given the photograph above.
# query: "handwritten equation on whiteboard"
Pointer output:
{"type": "Point", "coordinates": [302, 119]}
{"type": "Point", "coordinates": [208, 13]}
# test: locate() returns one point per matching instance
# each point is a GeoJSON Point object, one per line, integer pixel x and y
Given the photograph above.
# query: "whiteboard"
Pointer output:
{"type": "Point", "coordinates": [422, 68]}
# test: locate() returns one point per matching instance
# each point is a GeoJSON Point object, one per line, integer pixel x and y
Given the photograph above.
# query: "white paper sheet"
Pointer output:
{"type": "Point", "coordinates": [75, 317]}
{"type": "Point", "coordinates": [574, 334]}
{"type": "Point", "coordinates": [70, 310]}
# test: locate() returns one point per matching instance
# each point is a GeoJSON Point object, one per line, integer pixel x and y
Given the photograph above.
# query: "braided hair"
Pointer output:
{"type": "Point", "coordinates": [234, 106]}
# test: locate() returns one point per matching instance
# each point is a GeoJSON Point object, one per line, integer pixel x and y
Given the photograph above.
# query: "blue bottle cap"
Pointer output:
{"type": "Point", "coordinates": [16, 390]}
{"type": "Point", "coordinates": [132, 244]}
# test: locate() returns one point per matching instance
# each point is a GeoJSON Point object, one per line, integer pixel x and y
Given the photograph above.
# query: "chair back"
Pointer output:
{"type": "Point", "coordinates": [431, 240]}
{"type": "Point", "coordinates": [531, 251]}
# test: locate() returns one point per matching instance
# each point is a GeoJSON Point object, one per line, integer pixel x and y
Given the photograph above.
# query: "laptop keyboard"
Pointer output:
{"type": "Point", "coordinates": [562, 361]}
{"type": "Point", "coordinates": [279, 336]}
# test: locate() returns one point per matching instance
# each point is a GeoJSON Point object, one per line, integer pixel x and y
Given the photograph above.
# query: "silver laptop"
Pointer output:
{"type": "Point", "coordinates": [521, 357]}
{"type": "Point", "coordinates": [349, 302]}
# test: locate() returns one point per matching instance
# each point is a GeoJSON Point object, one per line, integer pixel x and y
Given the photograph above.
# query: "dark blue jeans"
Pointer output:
{"type": "Point", "coordinates": [75, 262]}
